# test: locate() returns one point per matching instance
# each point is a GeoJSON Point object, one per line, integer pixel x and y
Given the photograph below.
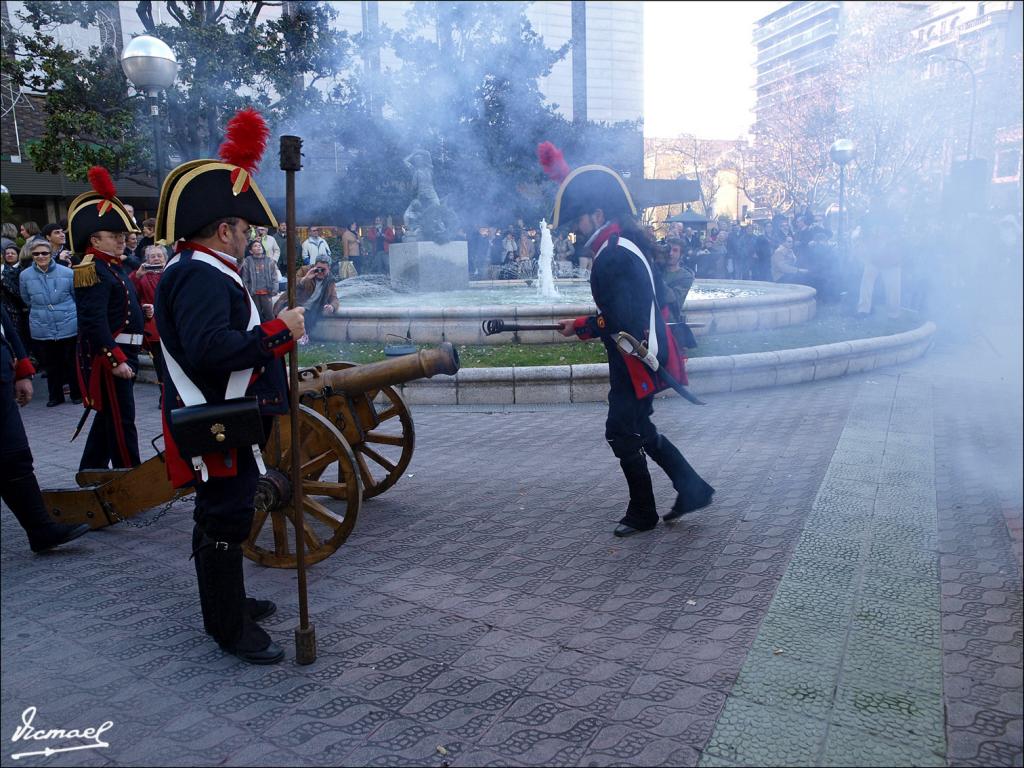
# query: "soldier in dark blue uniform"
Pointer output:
{"type": "Point", "coordinates": [18, 486]}
{"type": "Point", "coordinates": [210, 329]}
{"type": "Point", "coordinates": [110, 324]}
{"type": "Point", "coordinates": [630, 297]}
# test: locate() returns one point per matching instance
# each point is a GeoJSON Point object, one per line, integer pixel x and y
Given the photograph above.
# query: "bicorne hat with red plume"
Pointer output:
{"type": "Point", "coordinates": [200, 192]}
{"type": "Point", "coordinates": [98, 210]}
{"type": "Point", "coordinates": [583, 190]}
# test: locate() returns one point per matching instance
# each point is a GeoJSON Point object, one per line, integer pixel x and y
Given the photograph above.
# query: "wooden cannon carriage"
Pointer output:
{"type": "Point", "coordinates": [356, 439]}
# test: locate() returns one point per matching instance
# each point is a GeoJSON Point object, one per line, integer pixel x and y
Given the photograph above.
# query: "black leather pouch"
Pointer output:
{"type": "Point", "coordinates": [217, 427]}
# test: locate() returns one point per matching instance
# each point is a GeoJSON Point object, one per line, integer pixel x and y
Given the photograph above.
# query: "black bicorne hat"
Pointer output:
{"type": "Point", "coordinates": [98, 210]}
{"type": "Point", "coordinates": [588, 188]}
{"type": "Point", "coordinates": [199, 192]}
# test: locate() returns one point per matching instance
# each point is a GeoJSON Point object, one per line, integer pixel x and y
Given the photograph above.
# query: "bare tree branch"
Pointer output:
{"type": "Point", "coordinates": [177, 13]}
{"type": "Point", "coordinates": [144, 10]}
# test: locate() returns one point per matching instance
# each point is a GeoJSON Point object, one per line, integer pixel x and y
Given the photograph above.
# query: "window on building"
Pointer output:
{"type": "Point", "coordinates": [981, 9]}
{"type": "Point", "coordinates": [1007, 165]}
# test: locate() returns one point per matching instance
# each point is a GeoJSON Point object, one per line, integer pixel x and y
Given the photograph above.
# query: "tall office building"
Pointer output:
{"type": "Point", "coordinates": [614, 44]}
{"type": "Point", "coordinates": [614, 57]}
{"type": "Point", "coordinates": [614, 77]}
{"type": "Point", "coordinates": [976, 47]}
{"type": "Point", "coordinates": [794, 41]}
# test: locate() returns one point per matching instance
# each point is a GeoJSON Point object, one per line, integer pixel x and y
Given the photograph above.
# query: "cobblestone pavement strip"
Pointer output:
{"type": "Point", "coordinates": [852, 596]}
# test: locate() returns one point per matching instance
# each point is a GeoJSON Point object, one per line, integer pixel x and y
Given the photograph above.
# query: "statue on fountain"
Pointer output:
{"type": "Point", "coordinates": [427, 217]}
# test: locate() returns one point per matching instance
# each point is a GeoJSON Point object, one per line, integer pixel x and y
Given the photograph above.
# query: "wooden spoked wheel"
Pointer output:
{"type": "Point", "coordinates": [385, 452]}
{"type": "Point", "coordinates": [331, 493]}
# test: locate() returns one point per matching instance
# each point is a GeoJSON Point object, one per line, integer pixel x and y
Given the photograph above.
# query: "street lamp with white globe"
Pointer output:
{"type": "Point", "coordinates": [151, 66]}
{"type": "Point", "coordinates": [842, 152]}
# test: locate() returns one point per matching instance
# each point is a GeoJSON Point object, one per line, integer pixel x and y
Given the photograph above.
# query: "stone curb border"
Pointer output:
{"type": "Point", "coordinates": [588, 383]}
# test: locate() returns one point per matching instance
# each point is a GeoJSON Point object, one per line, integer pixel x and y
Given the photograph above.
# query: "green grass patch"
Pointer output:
{"type": "Point", "coordinates": [830, 325]}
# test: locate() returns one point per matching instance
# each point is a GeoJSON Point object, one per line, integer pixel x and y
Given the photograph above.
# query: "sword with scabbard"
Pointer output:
{"type": "Point", "coordinates": [81, 423]}
{"type": "Point", "coordinates": [638, 349]}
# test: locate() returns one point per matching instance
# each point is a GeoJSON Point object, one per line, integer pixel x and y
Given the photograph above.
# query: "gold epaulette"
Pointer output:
{"type": "Point", "coordinates": [85, 273]}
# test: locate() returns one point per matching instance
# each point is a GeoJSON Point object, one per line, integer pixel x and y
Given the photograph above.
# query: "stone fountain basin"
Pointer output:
{"type": "Point", "coordinates": [776, 306]}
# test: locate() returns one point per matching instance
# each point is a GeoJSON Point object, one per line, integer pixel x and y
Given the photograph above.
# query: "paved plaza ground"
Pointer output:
{"type": "Point", "coordinates": [853, 596]}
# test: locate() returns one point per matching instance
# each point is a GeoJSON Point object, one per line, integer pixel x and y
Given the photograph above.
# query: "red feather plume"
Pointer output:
{"type": "Point", "coordinates": [102, 184]}
{"type": "Point", "coordinates": [552, 161]}
{"type": "Point", "coordinates": [245, 140]}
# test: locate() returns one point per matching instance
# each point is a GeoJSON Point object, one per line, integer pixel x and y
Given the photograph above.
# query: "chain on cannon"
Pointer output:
{"type": "Point", "coordinates": [356, 438]}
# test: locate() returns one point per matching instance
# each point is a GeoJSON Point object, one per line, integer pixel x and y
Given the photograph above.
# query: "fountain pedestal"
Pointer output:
{"type": "Point", "coordinates": [428, 266]}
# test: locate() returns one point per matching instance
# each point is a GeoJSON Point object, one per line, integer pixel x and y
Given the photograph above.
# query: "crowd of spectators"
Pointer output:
{"type": "Point", "coordinates": [36, 282]}
{"type": "Point", "coordinates": [785, 249]}
{"type": "Point", "coordinates": [512, 252]}
{"type": "Point", "coordinates": [37, 290]}
{"type": "Point", "coordinates": [890, 257]}
{"type": "Point", "coordinates": [326, 254]}
{"type": "Point", "coordinates": [349, 250]}
{"type": "Point", "coordinates": [799, 248]}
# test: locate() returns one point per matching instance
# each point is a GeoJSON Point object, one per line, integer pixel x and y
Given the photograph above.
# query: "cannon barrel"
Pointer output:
{"type": "Point", "coordinates": [388, 373]}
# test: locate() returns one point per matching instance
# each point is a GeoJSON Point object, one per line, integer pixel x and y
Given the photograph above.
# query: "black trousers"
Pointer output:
{"type": "Point", "coordinates": [224, 505]}
{"type": "Point", "coordinates": [113, 439]}
{"type": "Point", "coordinates": [629, 424]}
{"type": "Point", "coordinates": [15, 455]}
{"type": "Point", "coordinates": [58, 358]}
{"type": "Point", "coordinates": [18, 486]}
{"type": "Point", "coordinates": [156, 352]}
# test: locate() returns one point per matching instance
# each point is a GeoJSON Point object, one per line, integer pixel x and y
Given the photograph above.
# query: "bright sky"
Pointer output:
{"type": "Point", "coordinates": [699, 68]}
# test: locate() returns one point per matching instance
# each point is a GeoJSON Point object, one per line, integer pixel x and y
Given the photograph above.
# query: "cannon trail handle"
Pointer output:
{"type": "Point", "coordinates": [491, 327]}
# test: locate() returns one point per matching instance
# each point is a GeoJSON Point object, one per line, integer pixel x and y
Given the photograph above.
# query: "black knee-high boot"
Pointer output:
{"type": "Point", "coordinates": [226, 616]}
{"type": "Point", "coordinates": [204, 591]}
{"type": "Point", "coordinates": [642, 512]}
{"type": "Point", "coordinates": [26, 501]}
{"type": "Point", "coordinates": [257, 609]}
{"type": "Point", "coordinates": [693, 492]}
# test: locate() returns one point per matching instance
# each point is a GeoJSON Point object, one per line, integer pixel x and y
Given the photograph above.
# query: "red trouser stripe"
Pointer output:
{"type": "Point", "coordinates": [115, 415]}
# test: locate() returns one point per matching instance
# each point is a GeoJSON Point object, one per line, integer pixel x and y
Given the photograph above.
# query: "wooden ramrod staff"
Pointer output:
{"type": "Point", "coordinates": [305, 633]}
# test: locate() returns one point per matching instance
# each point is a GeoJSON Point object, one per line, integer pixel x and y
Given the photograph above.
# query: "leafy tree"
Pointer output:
{"type": "Point", "coordinates": [789, 165]}
{"type": "Point", "coordinates": [228, 57]}
{"type": "Point", "coordinates": [468, 92]}
{"type": "Point", "coordinates": [90, 119]}
{"type": "Point", "coordinates": [6, 207]}
{"type": "Point", "coordinates": [374, 181]}
{"type": "Point", "coordinates": [895, 115]}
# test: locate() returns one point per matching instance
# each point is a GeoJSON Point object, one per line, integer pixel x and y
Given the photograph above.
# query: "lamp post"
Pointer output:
{"type": "Point", "coordinates": [151, 66]}
{"type": "Point", "coordinates": [842, 152]}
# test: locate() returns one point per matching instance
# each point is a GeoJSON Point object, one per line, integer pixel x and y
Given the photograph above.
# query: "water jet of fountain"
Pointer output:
{"type": "Point", "coordinates": [545, 276]}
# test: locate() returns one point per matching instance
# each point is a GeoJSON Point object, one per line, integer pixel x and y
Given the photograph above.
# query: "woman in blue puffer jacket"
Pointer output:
{"type": "Point", "coordinates": [48, 289]}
